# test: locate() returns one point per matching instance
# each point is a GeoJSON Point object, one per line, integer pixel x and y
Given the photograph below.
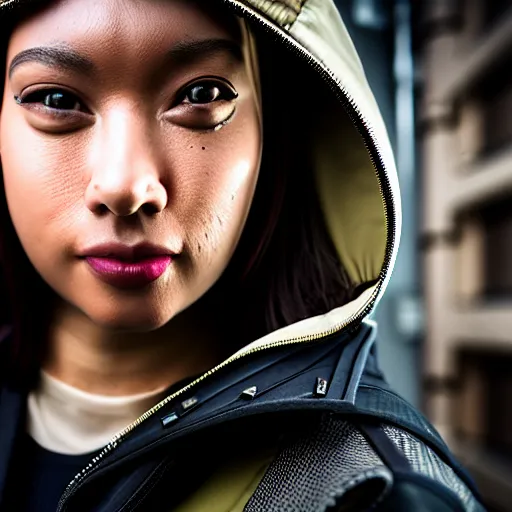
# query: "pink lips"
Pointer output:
{"type": "Point", "coordinates": [128, 267]}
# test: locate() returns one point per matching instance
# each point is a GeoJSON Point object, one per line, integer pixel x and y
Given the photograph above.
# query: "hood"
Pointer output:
{"type": "Point", "coordinates": [353, 162]}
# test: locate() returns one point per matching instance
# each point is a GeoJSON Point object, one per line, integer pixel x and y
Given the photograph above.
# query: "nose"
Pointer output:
{"type": "Point", "coordinates": [125, 169]}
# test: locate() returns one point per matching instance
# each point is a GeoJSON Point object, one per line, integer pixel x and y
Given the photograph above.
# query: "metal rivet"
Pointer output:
{"type": "Point", "coordinates": [249, 393]}
{"type": "Point", "coordinates": [170, 418]}
{"type": "Point", "coordinates": [187, 404]}
{"type": "Point", "coordinates": [321, 387]}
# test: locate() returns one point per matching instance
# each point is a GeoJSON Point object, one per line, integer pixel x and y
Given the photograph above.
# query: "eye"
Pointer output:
{"type": "Point", "coordinates": [206, 104]}
{"type": "Point", "coordinates": [54, 99]}
{"type": "Point", "coordinates": [208, 92]}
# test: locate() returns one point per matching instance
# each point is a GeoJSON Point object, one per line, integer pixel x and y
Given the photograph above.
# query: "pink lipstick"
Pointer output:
{"type": "Point", "coordinates": [128, 267]}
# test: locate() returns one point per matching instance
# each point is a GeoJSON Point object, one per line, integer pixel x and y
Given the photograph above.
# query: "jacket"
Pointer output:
{"type": "Point", "coordinates": [301, 419]}
{"type": "Point", "coordinates": [300, 427]}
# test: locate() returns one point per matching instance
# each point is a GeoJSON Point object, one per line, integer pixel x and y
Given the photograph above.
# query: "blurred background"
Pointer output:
{"type": "Point", "coordinates": [442, 73]}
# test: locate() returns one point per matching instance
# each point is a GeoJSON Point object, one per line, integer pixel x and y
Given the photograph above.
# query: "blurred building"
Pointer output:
{"type": "Point", "coordinates": [464, 67]}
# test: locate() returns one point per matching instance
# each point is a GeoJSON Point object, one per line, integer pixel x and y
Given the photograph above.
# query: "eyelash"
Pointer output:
{"type": "Point", "coordinates": [37, 99]}
{"type": "Point", "coordinates": [223, 92]}
{"type": "Point", "coordinates": [226, 92]}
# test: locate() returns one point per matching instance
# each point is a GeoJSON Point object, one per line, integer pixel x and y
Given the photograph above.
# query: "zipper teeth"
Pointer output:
{"type": "Point", "coordinates": [8, 3]}
{"type": "Point", "coordinates": [386, 194]}
{"type": "Point", "coordinates": [118, 437]}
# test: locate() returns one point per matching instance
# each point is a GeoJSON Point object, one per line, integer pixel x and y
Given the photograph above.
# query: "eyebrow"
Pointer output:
{"type": "Point", "coordinates": [184, 51]}
{"type": "Point", "coordinates": [63, 56]}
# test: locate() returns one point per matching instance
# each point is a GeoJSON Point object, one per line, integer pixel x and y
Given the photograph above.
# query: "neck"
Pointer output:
{"type": "Point", "coordinates": [100, 361]}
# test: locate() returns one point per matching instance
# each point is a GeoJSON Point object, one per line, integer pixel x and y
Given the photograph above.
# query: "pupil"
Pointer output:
{"type": "Point", "coordinates": [59, 101]}
{"type": "Point", "coordinates": [202, 94]}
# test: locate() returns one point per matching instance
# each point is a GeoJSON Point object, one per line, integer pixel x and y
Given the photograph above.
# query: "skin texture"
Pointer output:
{"type": "Point", "coordinates": [132, 158]}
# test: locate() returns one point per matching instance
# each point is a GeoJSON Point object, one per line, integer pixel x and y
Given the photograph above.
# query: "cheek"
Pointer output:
{"type": "Point", "coordinates": [216, 191]}
{"type": "Point", "coordinates": [211, 180]}
{"type": "Point", "coordinates": [42, 181]}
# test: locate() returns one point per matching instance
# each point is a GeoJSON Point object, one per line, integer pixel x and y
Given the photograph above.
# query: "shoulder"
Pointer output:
{"type": "Point", "coordinates": [338, 461]}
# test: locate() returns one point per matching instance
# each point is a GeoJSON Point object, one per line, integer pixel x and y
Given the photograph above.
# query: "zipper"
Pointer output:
{"type": "Point", "coordinates": [8, 3]}
{"type": "Point", "coordinates": [374, 153]}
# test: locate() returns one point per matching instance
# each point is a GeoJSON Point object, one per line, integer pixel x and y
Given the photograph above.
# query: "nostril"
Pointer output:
{"type": "Point", "coordinates": [98, 208]}
{"type": "Point", "coordinates": [150, 209]}
{"type": "Point", "coordinates": [102, 209]}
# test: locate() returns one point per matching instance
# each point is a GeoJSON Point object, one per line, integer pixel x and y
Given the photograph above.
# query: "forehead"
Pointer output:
{"type": "Point", "coordinates": [138, 27]}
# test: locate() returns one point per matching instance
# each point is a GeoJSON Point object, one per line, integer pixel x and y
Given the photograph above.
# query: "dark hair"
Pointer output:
{"type": "Point", "coordinates": [285, 268]}
{"type": "Point", "coordinates": [292, 269]}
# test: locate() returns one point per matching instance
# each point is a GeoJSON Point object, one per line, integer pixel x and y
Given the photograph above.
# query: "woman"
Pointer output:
{"type": "Point", "coordinates": [200, 213]}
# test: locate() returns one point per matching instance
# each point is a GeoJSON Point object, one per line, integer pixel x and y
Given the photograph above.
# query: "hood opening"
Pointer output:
{"type": "Point", "coordinates": [347, 181]}
{"type": "Point", "coordinates": [297, 274]}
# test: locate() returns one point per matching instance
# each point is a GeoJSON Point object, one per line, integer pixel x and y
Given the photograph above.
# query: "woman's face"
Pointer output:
{"type": "Point", "coordinates": [130, 147]}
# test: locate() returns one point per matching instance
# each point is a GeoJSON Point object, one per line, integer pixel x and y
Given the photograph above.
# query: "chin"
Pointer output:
{"type": "Point", "coordinates": [122, 323]}
{"type": "Point", "coordinates": [117, 316]}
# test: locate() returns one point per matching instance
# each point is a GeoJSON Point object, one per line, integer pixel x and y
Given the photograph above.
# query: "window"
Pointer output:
{"type": "Point", "coordinates": [495, 99]}
{"type": "Point", "coordinates": [497, 249]}
{"type": "Point", "coordinates": [485, 390]}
